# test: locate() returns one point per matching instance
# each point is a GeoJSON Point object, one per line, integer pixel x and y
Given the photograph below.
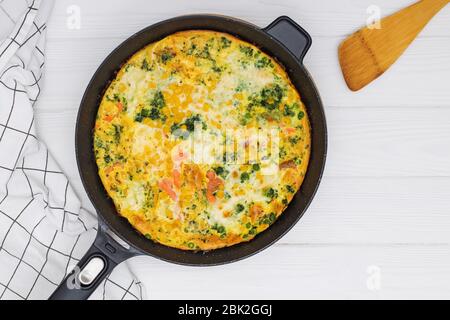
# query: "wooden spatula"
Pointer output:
{"type": "Point", "coordinates": [368, 53]}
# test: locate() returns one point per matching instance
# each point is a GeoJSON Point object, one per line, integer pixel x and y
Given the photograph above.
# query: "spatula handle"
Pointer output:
{"type": "Point", "coordinates": [420, 12]}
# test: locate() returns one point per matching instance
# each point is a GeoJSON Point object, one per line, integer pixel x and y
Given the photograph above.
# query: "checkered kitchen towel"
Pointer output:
{"type": "Point", "coordinates": [43, 229]}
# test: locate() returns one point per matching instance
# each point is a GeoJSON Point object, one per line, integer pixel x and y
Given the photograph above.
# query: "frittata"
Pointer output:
{"type": "Point", "coordinates": [201, 140]}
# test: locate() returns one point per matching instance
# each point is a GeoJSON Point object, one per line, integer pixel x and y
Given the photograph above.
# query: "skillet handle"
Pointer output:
{"type": "Point", "coordinates": [101, 258]}
{"type": "Point", "coordinates": [291, 35]}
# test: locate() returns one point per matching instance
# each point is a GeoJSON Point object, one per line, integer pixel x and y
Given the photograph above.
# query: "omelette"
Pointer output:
{"type": "Point", "coordinates": [201, 140]}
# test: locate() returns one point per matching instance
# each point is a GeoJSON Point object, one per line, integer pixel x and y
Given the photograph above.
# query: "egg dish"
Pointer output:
{"type": "Point", "coordinates": [201, 140]}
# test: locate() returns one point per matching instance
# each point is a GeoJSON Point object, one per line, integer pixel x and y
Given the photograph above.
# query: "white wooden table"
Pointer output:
{"type": "Point", "coordinates": [379, 226]}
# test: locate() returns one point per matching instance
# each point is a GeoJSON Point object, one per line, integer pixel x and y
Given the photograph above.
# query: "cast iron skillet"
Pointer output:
{"type": "Point", "coordinates": [283, 39]}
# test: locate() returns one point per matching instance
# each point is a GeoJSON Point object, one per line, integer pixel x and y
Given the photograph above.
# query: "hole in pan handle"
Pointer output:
{"type": "Point", "coordinates": [101, 258]}
{"type": "Point", "coordinates": [291, 35]}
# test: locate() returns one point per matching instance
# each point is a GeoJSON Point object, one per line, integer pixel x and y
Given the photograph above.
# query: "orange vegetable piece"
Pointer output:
{"type": "Point", "coordinates": [167, 186]}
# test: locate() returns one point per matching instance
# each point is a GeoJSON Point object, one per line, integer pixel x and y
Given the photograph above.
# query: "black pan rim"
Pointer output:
{"type": "Point", "coordinates": [178, 252]}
